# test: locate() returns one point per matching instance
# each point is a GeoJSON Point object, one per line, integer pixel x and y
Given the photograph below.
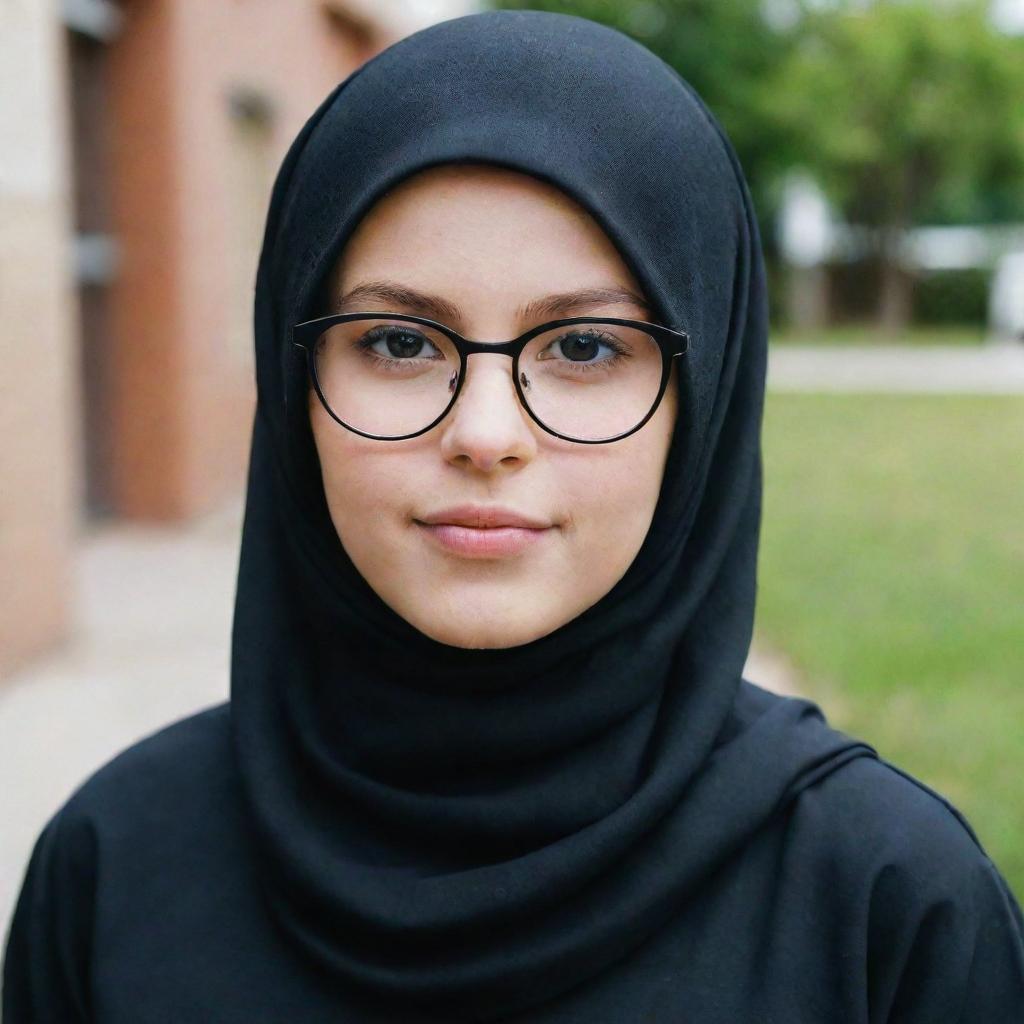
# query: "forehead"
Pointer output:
{"type": "Point", "coordinates": [476, 183]}
{"type": "Point", "coordinates": [484, 225]}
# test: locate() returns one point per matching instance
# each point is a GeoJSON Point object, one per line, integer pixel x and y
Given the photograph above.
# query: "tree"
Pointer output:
{"type": "Point", "coordinates": [903, 110]}
{"type": "Point", "coordinates": [725, 49]}
{"type": "Point", "coordinates": [899, 107]}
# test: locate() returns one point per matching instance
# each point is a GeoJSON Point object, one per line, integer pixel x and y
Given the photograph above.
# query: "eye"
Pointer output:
{"type": "Point", "coordinates": [398, 343]}
{"type": "Point", "coordinates": [582, 346]}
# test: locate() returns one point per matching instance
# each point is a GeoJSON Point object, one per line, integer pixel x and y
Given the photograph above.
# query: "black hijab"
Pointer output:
{"type": "Point", "coordinates": [475, 831]}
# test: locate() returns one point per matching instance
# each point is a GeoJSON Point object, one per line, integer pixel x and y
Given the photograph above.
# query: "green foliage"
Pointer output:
{"type": "Point", "coordinates": [903, 107]}
{"type": "Point", "coordinates": [906, 110]}
{"type": "Point", "coordinates": [953, 297]}
{"type": "Point", "coordinates": [724, 49]}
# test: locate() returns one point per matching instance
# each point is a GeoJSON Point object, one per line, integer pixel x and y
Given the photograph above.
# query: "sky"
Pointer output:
{"type": "Point", "coordinates": [1009, 15]}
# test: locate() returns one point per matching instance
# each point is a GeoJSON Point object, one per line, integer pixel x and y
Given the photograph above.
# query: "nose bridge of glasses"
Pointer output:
{"type": "Point", "coordinates": [502, 371]}
{"type": "Point", "coordinates": [475, 382]}
{"type": "Point", "coordinates": [499, 348]}
{"type": "Point", "coordinates": [507, 349]}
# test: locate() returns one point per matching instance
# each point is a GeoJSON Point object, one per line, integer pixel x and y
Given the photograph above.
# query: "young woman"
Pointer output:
{"type": "Point", "coordinates": [489, 755]}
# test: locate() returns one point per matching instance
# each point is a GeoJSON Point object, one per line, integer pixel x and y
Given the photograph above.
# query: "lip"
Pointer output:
{"type": "Point", "coordinates": [485, 517]}
{"type": "Point", "coordinates": [483, 531]}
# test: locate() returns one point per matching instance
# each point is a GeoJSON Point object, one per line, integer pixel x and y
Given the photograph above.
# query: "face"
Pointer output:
{"type": "Point", "coordinates": [486, 241]}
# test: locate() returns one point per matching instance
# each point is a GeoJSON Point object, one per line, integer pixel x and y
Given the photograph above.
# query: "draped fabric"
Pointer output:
{"type": "Point", "coordinates": [473, 832]}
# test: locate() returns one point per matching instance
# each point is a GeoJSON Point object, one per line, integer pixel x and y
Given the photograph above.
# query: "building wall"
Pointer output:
{"type": "Point", "coordinates": [39, 413]}
{"type": "Point", "coordinates": [131, 395]}
{"type": "Point", "coordinates": [207, 99]}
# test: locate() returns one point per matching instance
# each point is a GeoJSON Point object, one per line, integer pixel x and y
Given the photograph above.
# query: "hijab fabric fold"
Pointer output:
{"type": "Point", "coordinates": [474, 832]}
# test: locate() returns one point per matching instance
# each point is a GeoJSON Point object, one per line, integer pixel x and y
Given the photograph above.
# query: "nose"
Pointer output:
{"type": "Point", "coordinates": [488, 427]}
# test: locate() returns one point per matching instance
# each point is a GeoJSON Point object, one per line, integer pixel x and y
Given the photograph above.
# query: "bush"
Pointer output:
{"type": "Point", "coordinates": [952, 297]}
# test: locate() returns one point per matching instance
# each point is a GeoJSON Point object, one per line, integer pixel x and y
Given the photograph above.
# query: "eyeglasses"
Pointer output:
{"type": "Point", "coordinates": [393, 376]}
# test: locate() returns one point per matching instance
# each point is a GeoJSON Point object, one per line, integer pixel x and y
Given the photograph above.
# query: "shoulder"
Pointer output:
{"type": "Point", "coordinates": [863, 815]}
{"type": "Point", "coordinates": [168, 755]}
{"type": "Point", "coordinates": [133, 818]}
{"type": "Point", "coordinates": [940, 926]}
{"type": "Point", "coordinates": [163, 761]}
{"type": "Point", "coordinates": [859, 811]}
{"type": "Point", "coordinates": [943, 932]}
{"type": "Point", "coordinates": [175, 772]}
{"type": "Point", "coordinates": [151, 810]}
{"type": "Point", "coordinates": [879, 816]}
{"type": "Point", "coordinates": [901, 846]}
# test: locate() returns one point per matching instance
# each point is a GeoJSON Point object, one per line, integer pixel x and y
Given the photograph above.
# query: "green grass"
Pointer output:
{"type": "Point", "coordinates": [866, 334]}
{"type": "Point", "coordinates": [892, 574]}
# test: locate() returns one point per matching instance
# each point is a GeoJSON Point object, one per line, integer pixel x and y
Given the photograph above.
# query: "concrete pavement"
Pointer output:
{"type": "Point", "coordinates": [152, 623]}
{"type": "Point", "coordinates": [996, 368]}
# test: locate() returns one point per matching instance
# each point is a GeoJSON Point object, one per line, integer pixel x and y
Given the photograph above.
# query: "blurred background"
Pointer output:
{"type": "Point", "coordinates": [883, 142]}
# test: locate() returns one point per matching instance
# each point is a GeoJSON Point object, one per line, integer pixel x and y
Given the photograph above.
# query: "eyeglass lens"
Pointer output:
{"type": "Point", "coordinates": [390, 377]}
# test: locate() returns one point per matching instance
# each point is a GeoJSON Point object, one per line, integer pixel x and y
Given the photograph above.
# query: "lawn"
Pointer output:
{"type": "Point", "coordinates": [892, 574]}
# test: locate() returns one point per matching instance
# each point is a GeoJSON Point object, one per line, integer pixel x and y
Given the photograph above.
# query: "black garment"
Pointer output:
{"type": "Point", "coordinates": [864, 900]}
{"type": "Point", "coordinates": [607, 824]}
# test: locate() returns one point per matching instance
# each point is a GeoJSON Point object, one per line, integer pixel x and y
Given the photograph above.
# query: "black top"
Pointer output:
{"type": "Point", "coordinates": [867, 900]}
{"type": "Point", "coordinates": [605, 824]}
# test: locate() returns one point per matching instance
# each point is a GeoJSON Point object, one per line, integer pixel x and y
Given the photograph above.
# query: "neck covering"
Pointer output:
{"type": "Point", "coordinates": [473, 832]}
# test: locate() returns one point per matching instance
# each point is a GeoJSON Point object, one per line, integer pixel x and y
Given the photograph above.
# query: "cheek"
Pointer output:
{"type": "Point", "coordinates": [622, 490]}
{"type": "Point", "coordinates": [365, 484]}
{"type": "Point", "coordinates": [613, 496]}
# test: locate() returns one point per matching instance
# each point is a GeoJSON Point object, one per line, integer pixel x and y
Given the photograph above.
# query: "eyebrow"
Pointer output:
{"type": "Point", "coordinates": [437, 308]}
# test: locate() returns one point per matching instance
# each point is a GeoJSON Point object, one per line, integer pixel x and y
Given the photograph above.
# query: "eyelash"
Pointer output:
{"type": "Point", "coordinates": [619, 352]}
{"type": "Point", "coordinates": [376, 334]}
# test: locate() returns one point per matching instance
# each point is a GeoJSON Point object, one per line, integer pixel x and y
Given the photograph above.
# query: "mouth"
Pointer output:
{"type": "Point", "coordinates": [478, 531]}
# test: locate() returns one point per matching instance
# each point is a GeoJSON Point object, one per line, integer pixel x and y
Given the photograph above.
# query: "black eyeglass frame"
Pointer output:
{"type": "Point", "coordinates": [671, 342]}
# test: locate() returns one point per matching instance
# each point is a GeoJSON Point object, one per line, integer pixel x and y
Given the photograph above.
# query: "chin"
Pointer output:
{"type": "Point", "coordinates": [484, 636]}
